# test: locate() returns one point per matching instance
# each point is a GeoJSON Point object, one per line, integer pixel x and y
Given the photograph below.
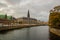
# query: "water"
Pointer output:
{"type": "Point", "coordinates": [32, 33]}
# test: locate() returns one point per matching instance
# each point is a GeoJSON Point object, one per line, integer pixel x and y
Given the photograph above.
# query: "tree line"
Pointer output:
{"type": "Point", "coordinates": [54, 17]}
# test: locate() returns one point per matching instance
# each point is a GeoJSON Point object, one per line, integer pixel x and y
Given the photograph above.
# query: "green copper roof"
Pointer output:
{"type": "Point", "coordinates": [3, 17]}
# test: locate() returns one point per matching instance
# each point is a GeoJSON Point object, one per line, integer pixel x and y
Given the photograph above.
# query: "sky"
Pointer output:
{"type": "Point", "coordinates": [39, 9]}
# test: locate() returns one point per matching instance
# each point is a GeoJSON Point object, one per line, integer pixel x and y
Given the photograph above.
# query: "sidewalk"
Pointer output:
{"type": "Point", "coordinates": [55, 31]}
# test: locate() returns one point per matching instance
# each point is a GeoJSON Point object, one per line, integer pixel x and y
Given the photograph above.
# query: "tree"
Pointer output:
{"type": "Point", "coordinates": [54, 17]}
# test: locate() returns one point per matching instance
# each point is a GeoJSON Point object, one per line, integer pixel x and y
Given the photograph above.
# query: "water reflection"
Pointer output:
{"type": "Point", "coordinates": [33, 33]}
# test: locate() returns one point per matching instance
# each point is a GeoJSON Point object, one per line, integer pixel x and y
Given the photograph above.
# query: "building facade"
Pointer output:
{"type": "Point", "coordinates": [27, 20]}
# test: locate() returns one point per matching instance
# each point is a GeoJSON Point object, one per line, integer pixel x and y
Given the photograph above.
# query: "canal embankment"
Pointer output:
{"type": "Point", "coordinates": [55, 31]}
{"type": "Point", "coordinates": [53, 36]}
{"type": "Point", "coordinates": [9, 27]}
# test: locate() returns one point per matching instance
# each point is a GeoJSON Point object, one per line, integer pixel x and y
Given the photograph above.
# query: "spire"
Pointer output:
{"type": "Point", "coordinates": [28, 15]}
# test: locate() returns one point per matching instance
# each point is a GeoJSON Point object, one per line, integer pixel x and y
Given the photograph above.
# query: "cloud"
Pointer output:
{"type": "Point", "coordinates": [39, 9]}
{"type": "Point", "coordinates": [3, 5]}
{"type": "Point", "coordinates": [12, 2]}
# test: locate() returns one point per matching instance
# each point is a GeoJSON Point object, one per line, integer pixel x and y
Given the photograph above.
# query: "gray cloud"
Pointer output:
{"type": "Point", "coordinates": [13, 1]}
{"type": "Point", "coordinates": [39, 9]}
{"type": "Point", "coordinates": [3, 5]}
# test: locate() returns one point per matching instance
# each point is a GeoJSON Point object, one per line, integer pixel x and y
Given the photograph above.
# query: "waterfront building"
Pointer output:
{"type": "Point", "coordinates": [27, 20]}
{"type": "Point", "coordinates": [4, 19]}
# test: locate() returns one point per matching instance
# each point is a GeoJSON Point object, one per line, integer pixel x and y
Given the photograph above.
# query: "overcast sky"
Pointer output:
{"type": "Point", "coordinates": [39, 9]}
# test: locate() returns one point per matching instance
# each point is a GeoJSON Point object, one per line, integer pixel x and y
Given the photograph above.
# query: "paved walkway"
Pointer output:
{"type": "Point", "coordinates": [55, 31]}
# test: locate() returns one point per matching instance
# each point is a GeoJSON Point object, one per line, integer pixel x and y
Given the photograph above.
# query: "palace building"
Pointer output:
{"type": "Point", "coordinates": [22, 20]}
{"type": "Point", "coordinates": [27, 20]}
{"type": "Point", "coordinates": [4, 19]}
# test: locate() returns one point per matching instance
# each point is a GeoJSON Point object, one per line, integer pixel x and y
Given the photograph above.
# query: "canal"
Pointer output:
{"type": "Point", "coordinates": [32, 33]}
